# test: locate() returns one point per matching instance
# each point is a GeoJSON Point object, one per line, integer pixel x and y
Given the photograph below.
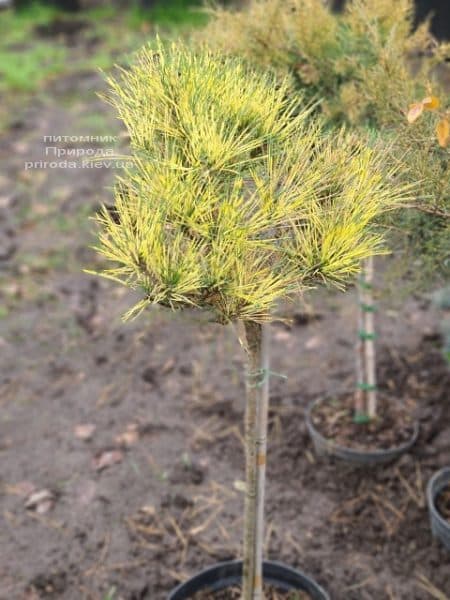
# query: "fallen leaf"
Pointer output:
{"type": "Point", "coordinates": [148, 510]}
{"type": "Point", "coordinates": [239, 485]}
{"type": "Point", "coordinates": [414, 112]}
{"type": "Point", "coordinates": [129, 437]}
{"type": "Point", "coordinates": [6, 201]}
{"type": "Point", "coordinates": [85, 431]}
{"type": "Point", "coordinates": [431, 103]}
{"type": "Point", "coordinates": [107, 459]}
{"type": "Point", "coordinates": [443, 133]}
{"type": "Point", "coordinates": [41, 501]}
{"type": "Point", "coordinates": [313, 342]}
{"type": "Point", "coordinates": [282, 335]}
{"type": "Point", "coordinates": [168, 366]}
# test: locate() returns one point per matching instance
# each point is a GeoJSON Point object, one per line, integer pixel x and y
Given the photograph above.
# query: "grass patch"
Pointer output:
{"type": "Point", "coordinates": [178, 13]}
{"type": "Point", "coordinates": [15, 25]}
{"type": "Point", "coordinates": [26, 70]}
{"type": "Point", "coordinates": [26, 61]}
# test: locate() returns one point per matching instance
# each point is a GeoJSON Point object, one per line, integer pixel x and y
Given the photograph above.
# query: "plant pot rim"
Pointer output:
{"type": "Point", "coordinates": [433, 490]}
{"type": "Point", "coordinates": [231, 572]}
{"type": "Point", "coordinates": [364, 457]}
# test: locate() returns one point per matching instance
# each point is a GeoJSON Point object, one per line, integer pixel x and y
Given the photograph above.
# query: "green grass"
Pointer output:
{"type": "Point", "coordinates": [111, 594]}
{"type": "Point", "coordinates": [184, 13]}
{"type": "Point", "coordinates": [24, 65]}
{"type": "Point", "coordinates": [27, 62]}
{"type": "Point", "coordinates": [15, 25]}
{"type": "Point", "coordinates": [25, 70]}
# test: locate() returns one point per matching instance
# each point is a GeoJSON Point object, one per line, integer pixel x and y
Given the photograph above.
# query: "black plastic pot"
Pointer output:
{"type": "Point", "coordinates": [439, 526]}
{"type": "Point", "coordinates": [326, 447]}
{"type": "Point", "coordinates": [228, 574]}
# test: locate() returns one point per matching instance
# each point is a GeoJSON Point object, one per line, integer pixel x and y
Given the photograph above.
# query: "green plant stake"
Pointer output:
{"type": "Point", "coordinates": [236, 200]}
{"type": "Point", "coordinates": [366, 392]}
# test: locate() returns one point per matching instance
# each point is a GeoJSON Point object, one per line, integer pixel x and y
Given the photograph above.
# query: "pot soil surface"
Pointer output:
{"type": "Point", "coordinates": [270, 593]}
{"type": "Point", "coordinates": [393, 427]}
{"type": "Point", "coordinates": [443, 503]}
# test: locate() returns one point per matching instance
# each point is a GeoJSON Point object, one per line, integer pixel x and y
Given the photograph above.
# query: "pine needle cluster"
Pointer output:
{"type": "Point", "coordinates": [236, 198]}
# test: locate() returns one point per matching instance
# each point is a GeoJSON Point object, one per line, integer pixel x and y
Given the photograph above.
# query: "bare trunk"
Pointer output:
{"type": "Point", "coordinates": [257, 345]}
{"type": "Point", "coordinates": [366, 395]}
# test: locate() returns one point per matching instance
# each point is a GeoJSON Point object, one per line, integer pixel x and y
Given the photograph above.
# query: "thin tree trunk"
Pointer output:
{"type": "Point", "coordinates": [369, 327]}
{"type": "Point", "coordinates": [257, 346]}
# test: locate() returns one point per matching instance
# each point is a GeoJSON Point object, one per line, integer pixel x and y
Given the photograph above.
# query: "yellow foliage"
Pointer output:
{"type": "Point", "coordinates": [363, 53]}
{"type": "Point", "coordinates": [431, 103]}
{"type": "Point", "coordinates": [236, 198]}
{"type": "Point", "coordinates": [443, 132]}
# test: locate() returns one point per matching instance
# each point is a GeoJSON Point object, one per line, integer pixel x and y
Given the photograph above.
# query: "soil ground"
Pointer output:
{"type": "Point", "coordinates": [121, 445]}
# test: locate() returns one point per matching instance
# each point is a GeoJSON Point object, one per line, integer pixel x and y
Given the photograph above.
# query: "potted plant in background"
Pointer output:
{"type": "Point", "coordinates": [438, 489]}
{"type": "Point", "coordinates": [355, 428]}
{"type": "Point", "coordinates": [236, 200]}
{"type": "Point", "coordinates": [358, 63]}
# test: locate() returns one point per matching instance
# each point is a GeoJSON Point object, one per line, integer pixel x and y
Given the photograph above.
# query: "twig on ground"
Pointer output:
{"type": "Point", "coordinates": [360, 585]}
{"type": "Point", "coordinates": [425, 584]}
{"type": "Point", "coordinates": [418, 496]}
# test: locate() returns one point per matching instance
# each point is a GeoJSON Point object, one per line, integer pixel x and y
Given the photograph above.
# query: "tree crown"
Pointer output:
{"type": "Point", "coordinates": [236, 197]}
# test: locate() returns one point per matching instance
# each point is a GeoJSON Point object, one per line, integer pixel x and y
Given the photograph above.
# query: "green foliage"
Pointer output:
{"type": "Point", "coordinates": [111, 594]}
{"type": "Point", "coordinates": [359, 64]}
{"type": "Point", "coordinates": [27, 60]}
{"type": "Point", "coordinates": [19, 69]}
{"type": "Point", "coordinates": [427, 225]}
{"type": "Point", "coordinates": [236, 198]}
{"type": "Point", "coordinates": [25, 71]}
{"type": "Point", "coordinates": [168, 14]}
{"type": "Point", "coordinates": [30, 12]}
{"type": "Point", "coordinates": [361, 419]}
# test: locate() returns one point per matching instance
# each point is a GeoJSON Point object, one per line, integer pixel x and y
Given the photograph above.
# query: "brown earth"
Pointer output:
{"type": "Point", "coordinates": [121, 445]}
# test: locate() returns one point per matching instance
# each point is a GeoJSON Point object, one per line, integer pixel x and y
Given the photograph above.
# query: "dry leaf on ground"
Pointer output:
{"type": "Point", "coordinates": [107, 459]}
